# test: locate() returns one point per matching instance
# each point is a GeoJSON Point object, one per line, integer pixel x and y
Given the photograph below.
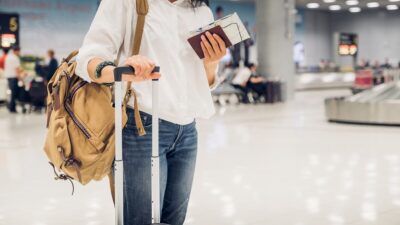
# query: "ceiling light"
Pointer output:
{"type": "Point", "coordinates": [355, 9]}
{"type": "Point", "coordinates": [352, 2]}
{"type": "Point", "coordinates": [372, 4]}
{"type": "Point", "coordinates": [335, 7]}
{"type": "Point", "coordinates": [331, 1]}
{"type": "Point", "coordinates": [313, 5]}
{"type": "Point", "coordinates": [394, 0]}
{"type": "Point", "coordinates": [392, 7]}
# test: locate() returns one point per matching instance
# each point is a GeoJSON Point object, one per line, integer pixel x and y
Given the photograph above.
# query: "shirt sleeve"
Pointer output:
{"type": "Point", "coordinates": [105, 36]}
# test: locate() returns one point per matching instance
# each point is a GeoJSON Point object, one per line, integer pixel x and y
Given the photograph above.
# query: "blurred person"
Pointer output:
{"type": "Point", "coordinates": [398, 65]}
{"type": "Point", "coordinates": [367, 63]}
{"type": "Point", "coordinates": [12, 70]}
{"type": "Point", "coordinates": [3, 59]}
{"type": "Point", "coordinates": [376, 65]}
{"type": "Point", "coordinates": [386, 64]}
{"type": "Point", "coordinates": [322, 65]}
{"type": "Point", "coordinates": [39, 69]}
{"type": "Point", "coordinates": [240, 80]}
{"type": "Point", "coordinates": [185, 88]}
{"type": "Point", "coordinates": [298, 54]}
{"type": "Point", "coordinates": [52, 65]}
{"type": "Point", "coordinates": [332, 67]}
{"type": "Point", "coordinates": [256, 82]}
{"type": "Point", "coordinates": [219, 12]}
{"type": "Point", "coordinates": [247, 44]}
{"type": "Point", "coordinates": [363, 64]}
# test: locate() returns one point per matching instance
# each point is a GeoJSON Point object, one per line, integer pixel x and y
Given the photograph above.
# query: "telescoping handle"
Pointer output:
{"type": "Point", "coordinates": [155, 161]}
{"type": "Point", "coordinates": [128, 70]}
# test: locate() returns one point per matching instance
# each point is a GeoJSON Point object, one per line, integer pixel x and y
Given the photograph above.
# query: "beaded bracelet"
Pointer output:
{"type": "Point", "coordinates": [101, 66]}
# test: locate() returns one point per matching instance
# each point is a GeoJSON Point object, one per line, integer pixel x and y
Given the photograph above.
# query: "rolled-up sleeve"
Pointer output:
{"type": "Point", "coordinates": [105, 36]}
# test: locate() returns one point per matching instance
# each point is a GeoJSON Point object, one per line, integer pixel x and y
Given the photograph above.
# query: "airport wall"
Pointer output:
{"type": "Point", "coordinates": [56, 24]}
{"type": "Point", "coordinates": [379, 33]}
{"type": "Point", "coordinates": [316, 36]}
{"type": "Point", "coordinates": [378, 38]}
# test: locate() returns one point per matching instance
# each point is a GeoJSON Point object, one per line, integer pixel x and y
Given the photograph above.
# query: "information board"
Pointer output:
{"type": "Point", "coordinates": [348, 44]}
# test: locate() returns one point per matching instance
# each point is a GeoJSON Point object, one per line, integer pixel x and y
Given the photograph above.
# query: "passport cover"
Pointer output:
{"type": "Point", "coordinates": [196, 40]}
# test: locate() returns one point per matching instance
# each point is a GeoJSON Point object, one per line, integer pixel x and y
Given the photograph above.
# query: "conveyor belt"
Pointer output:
{"type": "Point", "coordinates": [380, 105]}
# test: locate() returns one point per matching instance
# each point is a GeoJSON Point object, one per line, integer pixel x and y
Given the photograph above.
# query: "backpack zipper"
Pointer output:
{"type": "Point", "coordinates": [76, 89]}
{"type": "Point", "coordinates": [81, 84]}
{"type": "Point", "coordinates": [76, 121]}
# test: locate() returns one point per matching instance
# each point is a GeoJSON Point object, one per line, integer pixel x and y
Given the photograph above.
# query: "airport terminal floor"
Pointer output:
{"type": "Point", "coordinates": [277, 164]}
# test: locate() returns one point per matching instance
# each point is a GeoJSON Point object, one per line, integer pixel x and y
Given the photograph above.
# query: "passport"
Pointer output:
{"type": "Point", "coordinates": [229, 28]}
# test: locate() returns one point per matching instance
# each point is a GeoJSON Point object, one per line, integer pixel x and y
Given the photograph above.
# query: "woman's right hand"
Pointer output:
{"type": "Point", "coordinates": [143, 69]}
{"type": "Point", "coordinates": [142, 65]}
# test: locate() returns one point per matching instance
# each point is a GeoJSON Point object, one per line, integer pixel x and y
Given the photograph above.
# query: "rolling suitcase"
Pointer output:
{"type": "Point", "coordinates": [38, 93]}
{"type": "Point", "coordinates": [155, 161]}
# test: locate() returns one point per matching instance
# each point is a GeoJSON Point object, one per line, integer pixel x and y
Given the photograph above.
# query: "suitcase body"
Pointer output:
{"type": "Point", "coordinates": [273, 92]}
{"type": "Point", "coordinates": [38, 93]}
{"type": "Point", "coordinates": [155, 161]}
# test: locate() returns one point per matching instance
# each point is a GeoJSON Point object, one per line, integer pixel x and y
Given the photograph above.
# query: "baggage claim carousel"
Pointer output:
{"type": "Point", "coordinates": [379, 105]}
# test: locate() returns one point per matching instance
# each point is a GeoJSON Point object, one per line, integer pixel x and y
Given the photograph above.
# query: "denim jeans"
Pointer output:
{"type": "Point", "coordinates": [178, 151]}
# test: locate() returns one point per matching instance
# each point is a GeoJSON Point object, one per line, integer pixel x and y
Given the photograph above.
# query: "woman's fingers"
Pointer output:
{"type": "Point", "coordinates": [208, 46]}
{"type": "Point", "coordinates": [154, 76]}
{"type": "Point", "coordinates": [137, 66]}
{"type": "Point", "coordinates": [149, 70]}
{"type": "Point", "coordinates": [214, 43]}
{"type": "Point", "coordinates": [205, 51]}
{"type": "Point", "coordinates": [221, 44]}
{"type": "Point", "coordinates": [213, 46]}
{"type": "Point", "coordinates": [143, 68]}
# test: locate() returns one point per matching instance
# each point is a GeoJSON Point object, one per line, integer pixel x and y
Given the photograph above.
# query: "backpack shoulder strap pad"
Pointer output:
{"type": "Point", "coordinates": [142, 8]}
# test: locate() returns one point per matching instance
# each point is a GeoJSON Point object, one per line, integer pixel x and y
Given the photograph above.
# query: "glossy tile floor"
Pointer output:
{"type": "Point", "coordinates": [258, 165]}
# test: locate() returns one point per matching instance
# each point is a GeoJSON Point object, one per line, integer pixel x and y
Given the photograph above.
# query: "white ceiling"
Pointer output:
{"type": "Point", "coordinates": [303, 3]}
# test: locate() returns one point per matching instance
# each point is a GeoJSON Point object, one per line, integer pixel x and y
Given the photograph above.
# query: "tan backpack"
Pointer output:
{"type": "Point", "coordinates": [80, 142]}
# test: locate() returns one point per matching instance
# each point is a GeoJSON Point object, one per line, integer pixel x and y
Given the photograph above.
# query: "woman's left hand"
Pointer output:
{"type": "Point", "coordinates": [214, 48]}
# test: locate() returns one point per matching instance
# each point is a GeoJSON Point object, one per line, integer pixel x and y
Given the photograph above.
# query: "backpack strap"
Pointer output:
{"type": "Point", "coordinates": [71, 56]}
{"type": "Point", "coordinates": [142, 9]}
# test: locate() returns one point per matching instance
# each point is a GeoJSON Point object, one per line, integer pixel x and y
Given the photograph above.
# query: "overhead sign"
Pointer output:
{"type": "Point", "coordinates": [348, 44]}
{"type": "Point", "coordinates": [9, 30]}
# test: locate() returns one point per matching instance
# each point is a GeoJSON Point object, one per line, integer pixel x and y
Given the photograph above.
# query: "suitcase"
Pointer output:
{"type": "Point", "coordinates": [273, 92]}
{"type": "Point", "coordinates": [155, 161]}
{"type": "Point", "coordinates": [38, 93]}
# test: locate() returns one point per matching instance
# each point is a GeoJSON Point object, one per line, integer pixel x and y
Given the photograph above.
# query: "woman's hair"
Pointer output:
{"type": "Point", "coordinates": [197, 3]}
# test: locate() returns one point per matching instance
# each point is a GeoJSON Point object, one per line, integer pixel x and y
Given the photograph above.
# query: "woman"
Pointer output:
{"type": "Point", "coordinates": [184, 89]}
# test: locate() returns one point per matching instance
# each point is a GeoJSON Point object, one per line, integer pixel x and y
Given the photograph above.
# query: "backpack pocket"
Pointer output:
{"type": "Point", "coordinates": [58, 144]}
{"type": "Point", "coordinates": [91, 105]}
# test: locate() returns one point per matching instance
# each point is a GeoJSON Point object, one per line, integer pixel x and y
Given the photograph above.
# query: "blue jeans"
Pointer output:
{"type": "Point", "coordinates": [178, 151]}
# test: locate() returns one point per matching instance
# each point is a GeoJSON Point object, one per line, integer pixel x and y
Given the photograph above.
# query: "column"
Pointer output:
{"type": "Point", "coordinates": [275, 40]}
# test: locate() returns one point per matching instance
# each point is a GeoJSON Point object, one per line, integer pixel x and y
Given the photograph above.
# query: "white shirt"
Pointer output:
{"type": "Point", "coordinates": [243, 75]}
{"type": "Point", "coordinates": [11, 65]}
{"type": "Point", "coordinates": [184, 90]}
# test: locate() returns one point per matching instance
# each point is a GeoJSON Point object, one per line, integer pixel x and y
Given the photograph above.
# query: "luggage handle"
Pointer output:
{"type": "Point", "coordinates": [155, 160]}
{"type": "Point", "coordinates": [128, 70]}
